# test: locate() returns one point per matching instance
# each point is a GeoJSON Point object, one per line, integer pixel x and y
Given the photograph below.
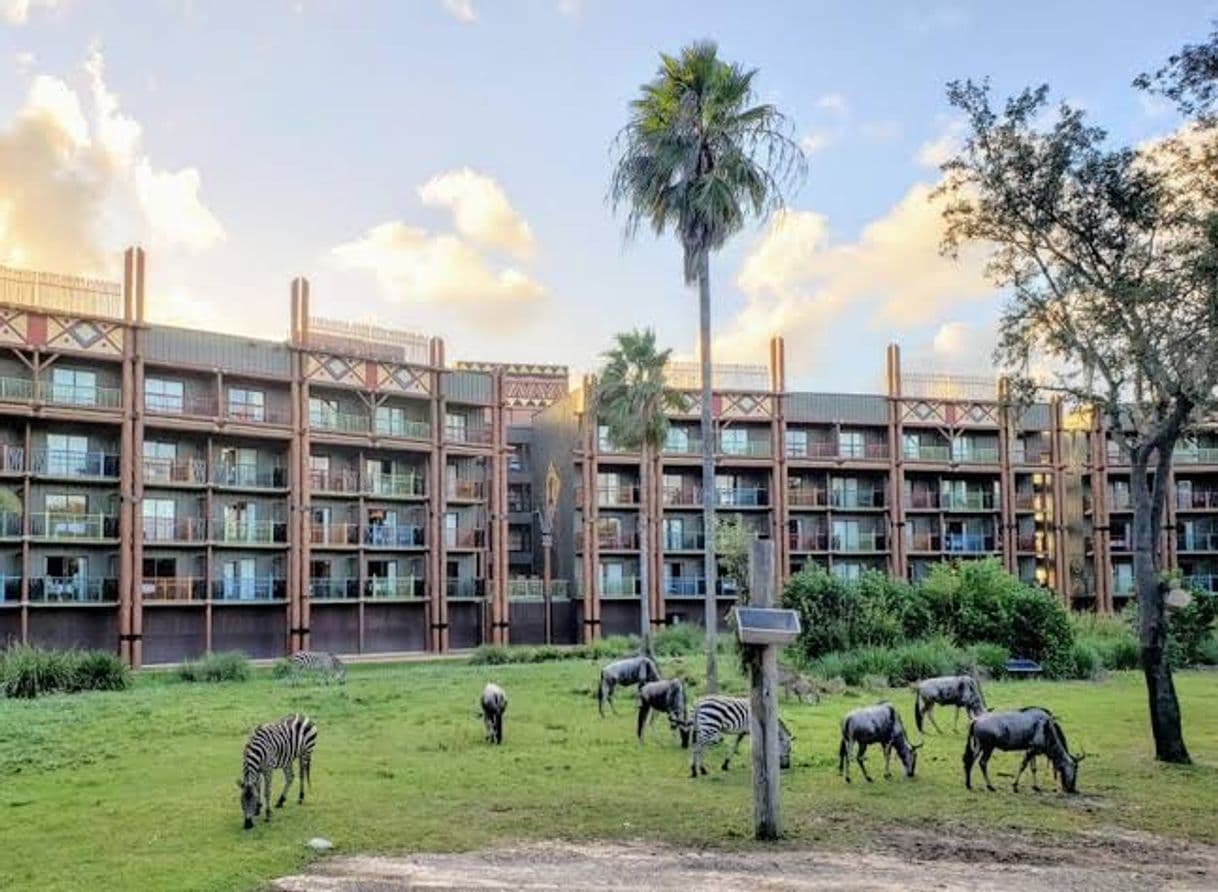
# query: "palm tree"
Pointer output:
{"type": "Point", "coordinates": [698, 155]}
{"type": "Point", "coordinates": [634, 403]}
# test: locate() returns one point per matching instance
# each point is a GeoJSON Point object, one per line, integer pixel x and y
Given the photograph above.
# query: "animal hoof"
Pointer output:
{"type": "Point", "coordinates": [703, 770]}
{"type": "Point", "coordinates": [991, 789]}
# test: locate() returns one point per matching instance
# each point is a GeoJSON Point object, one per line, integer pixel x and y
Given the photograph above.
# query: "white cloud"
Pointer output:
{"type": "Point", "coordinates": [461, 10]}
{"type": "Point", "coordinates": [481, 210]}
{"type": "Point", "coordinates": [833, 102]}
{"type": "Point", "coordinates": [570, 8]}
{"type": "Point", "coordinates": [17, 12]}
{"type": "Point", "coordinates": [76, 183]}
{"type": "Point", "coordinates": [24, 61]}
{"type": "Point", "coordinates": [815, 140]}
{"type": "Point", "coordinates": [936, 152]}
{"type": "Point", "coordinates": [964, 347]}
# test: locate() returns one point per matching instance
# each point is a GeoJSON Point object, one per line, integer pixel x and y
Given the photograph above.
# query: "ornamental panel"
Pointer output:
{"type": "Point", "coordinates": [403, 379]}
{"type": "Point", "coordinates": [85, 335]}
{"type": "Point", "coordinates": [327, 368]}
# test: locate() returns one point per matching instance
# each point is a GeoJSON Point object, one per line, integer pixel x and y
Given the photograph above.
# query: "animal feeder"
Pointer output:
{"type": "Point", "coordinates": [766, 625]}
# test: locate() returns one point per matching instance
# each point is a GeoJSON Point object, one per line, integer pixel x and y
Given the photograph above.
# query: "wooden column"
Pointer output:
{"type": "Point", "coordinates": [135, 406]}
{"type": "Point", "coordinates": [780, 511]}
{"type": "Point", "coordinates": [763, 704]}
{"type": "Point", "coordinates": [1058, 459]}
{"type": "Point", "coordinates": [126, 464]}
{"type": "Point", "coordinates": [899, 566]}
{"type": "Point", "coordinates": [436, 551]}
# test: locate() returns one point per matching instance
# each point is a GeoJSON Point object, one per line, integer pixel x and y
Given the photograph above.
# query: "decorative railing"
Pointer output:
{"type": "Point", "coordinates": [249, 476]}
{"type": "Point", "coordinates": [73, 590]}
{"type": "Point", "coordinates": [391, 485]}
{"type": "Point", "coordinates": [11, 525]}
{"type": "Point", "coordinates": [334, 534]}
{"type": "Point", "coordinates": [863, 498]}
{"type": "Point", "coordinates": [78, 465]}
{"type": "Point", "coordinates": [1196, 455]}
{"type": "Point", "coordinates": [257, 414]}
{"type": "Point", "coordinates": [611, 496]}
{"type": "Point", "coordinates": [340, 422]}
{"type": "Point", "coordinates": [686, 540]}
{"type": "Point", "coordinates": [171, 404]}
{"type": "Point", "coordinates": [627, 586]}
{"type": "Point", "coordinates": [458, 433]}
{"type": "Point", "coordinates": [864, 541]}
{"type": "Point", "coordinates": [333, 589]}
{"type": "Point", "coordinates": [82, 396]}
{"type": "Point", "coordinates": [464, 587]}
{"type": "Point", "coordinates": [1197, 541]}
{"type": "Point", "coordinates": [928, 452]}
{"type": "Point", "coordinates": [16, 390]}
{"type": "Point", "coordinates": [747, 449]}
{"type": "Point", "coordinates": [175, 529]}
{"type": "Point", "coordinates": [397, 587]}
{"type": "Point", "coordinates": [968, 501]}
{"type": "Point", "coordinates": [680, 446]}
{"type": "Point", "coordinates": [265, 588]}
{"type": "Point", "coordinates": [336, 481]}
{"type": "Point", "coordinates": [871, 450]}
{"type": "Point", "coordinates": [12, 459]}
{"type": "Point", "coordinates": [811, 449]}
{"type": "Point", "coordinates": [67, 526]}
{"type": "Point", "coordinates": [816, 540]}
{"type": "Point", "coordinates": [173, 588]}
{"type": "Point", "coordinates": [389, 535]}
{"type": "Point", "coordinates": [174, 470]}
{"type": "Point", "coordinates": [407, 428]}
{"type": "Point", "coordinates": [684, 585]}
{"type": "Point", "coordinates": [742, 497]}
{"type": "Point", "coordinates": [1197, 500]}
{"type": "Point", "coordinates": [969, 543]}
{"type": "Point", "coordinates": [252, 532]}
{"type": "Point", "coordinates": [807, 497]}
{"type": "Point", "coordinates": [687, 495]}
{"type": "Point", "coordinates": [976, 455]}
{"type": "Point", "coordinates": [534, 589]}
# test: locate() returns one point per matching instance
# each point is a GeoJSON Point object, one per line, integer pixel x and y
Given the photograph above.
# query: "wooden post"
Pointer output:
{"type": "Point", "coordinates": [763, 702]}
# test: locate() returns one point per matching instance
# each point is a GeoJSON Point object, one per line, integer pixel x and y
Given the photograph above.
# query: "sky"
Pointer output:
{"type": "Point", "coordinates": [441, 165]}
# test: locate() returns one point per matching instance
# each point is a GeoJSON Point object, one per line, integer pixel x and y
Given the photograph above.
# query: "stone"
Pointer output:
{"type": "Point", "coordinates": [318, 844]}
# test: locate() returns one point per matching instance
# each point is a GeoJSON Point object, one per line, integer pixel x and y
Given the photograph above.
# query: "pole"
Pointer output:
{"type": "Point", "coordinates": [763, 703]}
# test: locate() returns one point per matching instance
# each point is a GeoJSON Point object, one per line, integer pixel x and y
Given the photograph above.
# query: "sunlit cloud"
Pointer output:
{"type": "Point", "coordinates": [833, 102]}
{"type": "Point", "coordinates": [480, 209]}
{"type": "Point", "coordinates": [17, 12]}
{"type": "Point", "coordinates": [461, 10]}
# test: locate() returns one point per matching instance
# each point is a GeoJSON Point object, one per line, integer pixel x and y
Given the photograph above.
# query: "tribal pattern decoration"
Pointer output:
{"type": "Point", "coordinates": [332, 369]}
{"type": "Point", "coordinates": [744, 405]}
{"type": "Point", "coordinates": [952, 414]}
{"type": "Point", "coordinates": [14, 326]}
{"type": "Point", "coordinates": [403, 378]}
{"type": "Point", "coordinates": [85, 335]}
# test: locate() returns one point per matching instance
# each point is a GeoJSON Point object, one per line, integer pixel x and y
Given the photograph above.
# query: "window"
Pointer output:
{"type": "Point", "coordinates": [67, 456]}
{"type": "Point", "coordinates": [734, 441]}
{"type": "Point", "coordinates": [845, 492]}
{"type": "Point", "coordinates": [846, 535]}
{"type": "Point", "coordinates": [239, 579]}
{"type": "Point", "coordinates": [67, 516]}
{"type": "Point", "coordinates": [323, 413]}
{"type": "Point", "coordinates": [450, 528]}
{"type": "Point", "coordinates": [240, 520]}
{"type": "Point", "coordinates": [604, 442]}
{"type": "Point", "coordinates": [852, 444]}
{"type": "Point", "coordinates": [74, 387]}
{"type": "Point", "coordinates": [160, 568]}
{"type": "Point", "coordinates": [518, 458]}
{"type": "Point", "coordinates": [913, 446]}
{"type": "Point", "coordinates": [519, 497]}
{"type": "Point", "coordinates": [394, 421]}
{"type": "Point", "coordinates": [67, 578]}
{"type": "Point", "coordinates": [246, 405]}
{"type": "Point", "coordinates": [455, 427]}
{"type": "Point", "coordinates": [1123, 578]}
{"type": "Point", "coordinates": [677, 440]}
{"type": "Point", "coordinates": [159, 519]}
{"type": "Point", "coordinates": [847, 570]}
{"type": "Point", "coordinates": [797, 443]}
{"type": "Point", "coordinates": [164, 396]}
{"type": "Point", "coordinates": [159, 460]}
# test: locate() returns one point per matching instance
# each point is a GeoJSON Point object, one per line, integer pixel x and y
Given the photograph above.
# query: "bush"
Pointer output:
{"type": "Point", "coordinates": [1189, 628]}
{"type": "Point", "coordinates": [1117, 653]}
{"type": "Point", "coordinates": [1038, 627]}
{"type": "Point", "coordinates": [837, 614]}
{"type": "Point", "coordinates": [989, 659]}
{"type": "Point", "coordinates": [1083, 661]}
{"type": "Point", "coordinates": [216, 667]}
{"type": "Point", "coordinates": [1207, 652]}
{"type": "Point", "coordinates": [680, 640]}
{"type": "Point", "coordinates": [97, 670]}
{"type": "Point", "coordinates": [27, 671]}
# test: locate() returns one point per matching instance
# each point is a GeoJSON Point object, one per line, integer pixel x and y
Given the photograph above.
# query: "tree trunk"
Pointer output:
{"type": "Point", "coordinates": [1152, 612]}
{"type": "Point", "coordinates": [711, 612]}
{"type": "Point", "coordinates": [645, 508]}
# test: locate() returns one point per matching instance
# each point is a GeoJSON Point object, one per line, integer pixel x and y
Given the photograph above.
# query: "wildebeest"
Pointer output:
{"type": "Point", "coordinates": [716, 716]}
{"type": "Point", "coordinates": [947, 690]}
{"type": "Point", "coordinates": [494, 705]}
{"type": "Point", "coordinates": [624, 673]}
{"type": "Point", "coordinates": [666, 696]}
{"type": "Point", "coordinates": [876, 724]}
{"type": "Point", "coordinates": [1031, 730]}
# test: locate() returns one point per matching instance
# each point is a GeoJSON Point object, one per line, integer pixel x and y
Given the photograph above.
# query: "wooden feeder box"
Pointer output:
{"type": "Point", "coordinates": [766, 625]}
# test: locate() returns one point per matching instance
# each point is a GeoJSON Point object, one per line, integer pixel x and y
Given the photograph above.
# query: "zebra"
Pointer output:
{"type": "Point", "coordinates": [716, 716]}
{"type": "Point", "coordinates": [275, 745]}
{"type": "Point", "coordinates": [627, 672]}
{"type": "Point", "coordinates": [323, 663]}
{"type": "Point", "coordinates": [494, 705]}
{"type": "Point", "coordinates": [876, 724]}
{"type": "Point", "coordinates": [665, 696]}
{"type": "Point", "coordinates": [947, 690]}
{"type": "Point", "coordinates": [1032, 730]}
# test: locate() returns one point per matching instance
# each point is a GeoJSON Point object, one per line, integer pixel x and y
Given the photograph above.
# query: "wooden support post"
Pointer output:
{"type": "Point", "coordinates": [763, 703]}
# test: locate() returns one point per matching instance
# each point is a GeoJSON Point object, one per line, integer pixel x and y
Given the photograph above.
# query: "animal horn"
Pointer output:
{"type": "Point", "coordinates": [1082, 755]}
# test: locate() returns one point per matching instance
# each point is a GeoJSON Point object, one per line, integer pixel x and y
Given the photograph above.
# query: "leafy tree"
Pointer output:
{"type": "Point", "coordinates": [1110, 260]}
{"type": "Point", "coordinates": [733, 540]}
{"type": "Point", "coordinates": [634, 403]}
{"type": "Point", "coordinates": [698, 156]}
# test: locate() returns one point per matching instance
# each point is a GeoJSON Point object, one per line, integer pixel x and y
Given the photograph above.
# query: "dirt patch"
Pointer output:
{"type": "Point", "coordinates": [910, 859]}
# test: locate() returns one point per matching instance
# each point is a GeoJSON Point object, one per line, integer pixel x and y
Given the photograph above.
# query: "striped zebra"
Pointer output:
{"type": "Point", "coordinates": [716, 716]}
{"type": "Point", "coordinates": [274, 745]}
{"type": "Point", "coordinates": [494, 705]}
{"type": "Point", "coordinates": [322, 663]}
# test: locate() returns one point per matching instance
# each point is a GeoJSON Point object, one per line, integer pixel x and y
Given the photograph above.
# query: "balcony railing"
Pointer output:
{"type": "Point", "coordinates": [534, 589]}
{"type": "Point", "coordinates": [83, 395]}
{"type": "Point", "coordinates": [928, 452]}
{"type": "Point", "coordinates": [686, 540]}
{"type": "Point", "coordinates": [249, 476]}
{"type": "Point", "coordinates": [1204, 582]}
{"type": "Point", "coordinates": [1123, 586]}
{"type": "Point", "coordinates": [969, 543]}
{"type": "Point", "coordinates": [815, 540]}
{"type": "Point", "coordinates": [466, 489]}
{"type": "Point", "coordinates": [1027, 455]}
{"type": "Point", "coordinates": [1029, 501]}
{"type": "Point", "coordinates": [174, 470]}
{"type": "Point", "coordinates": [337, 481]}
{"type": "Point", "coordinates": [396, 485]}
{"type": "Point", "coordinates": [679, 446]}
{"type": "Point", "coordinates": [257, 414]}
{"type": "Point", "coordinates": [464, 587]}
{"type": "Point", "coordinates": [1196, 455]}
{"type": "Point", "coordinates": [192, 406]}
{"type": "Point", "coordinates": [77, 465]}
{"type": "Point", "coordinates": [10, 588]}
{"type": "Point", "coordinates": [921, 499]}
{"type": "Point", "coordinates": [261, 588]}
{"type": "Point", "coordinates": [684, 586]}
{"type": "Point", "coordinates": [627, 586]}
{"type": "Point", "coordinates": [863, 498]}
{"type": "Point", "coordinates": [402, 535]}
{"type": "Point", "coordinates": [864, 541]}
{"type": "Point", "coordinates": [1197, 500]}
{"type": "Point", "coordinates": [742, 497]}
{"type": "Point", "coordinates": [11, 526]}
{"type": "Point", "coordinates": [408, 428]}
{"type": "Point", "coordinates": [747, 449]}
{"type": "Point", "coordinates": [873, 450]}
{"type": "Point", "coordinates": [610, 496]}
{"type": "Point", "coordinates": [68, 526]}
{"type": "Point", "coordinates": [686, 495]}
{"type": "Point", "coordinates": [807, 497]}
{"type": "Point", "coordinates": [340, 422]}
{"type": "Point", "coordinates": [334, 534]}
{"type": "Point", "coordinates": [333, 589]}
{"type": "Point", "coordinates": [968, 501]}
{"type": "Point", "coordinates": [252, 532]}
{"type": "Point", "coordinates": [16, 390]}
{"type": "Point", "coordinates": [12, 459]}
{"type": "Point", "coordinates": [464, 537]}
{"type": "Point", "coordinates": [976, 455]}
{"type": "Point", "coordinates": [1121, 541]}
{"type": "Point", "coordinates": [396, 587]}
{"type": "Point", "coordinates": [924, 542]}
{"type": "Point", "coordinates": [460, 433]}
{"type": "Point", "coordinates": [1030, 542]}
{"type": "Point", "coordinates": [73, 590]}
{"type": "Point", "coordinates": [1197, 541]}
{"type": "Point", "coordinates": [173, 588]}
{"type": "Point", "coordinates": [175, 529]}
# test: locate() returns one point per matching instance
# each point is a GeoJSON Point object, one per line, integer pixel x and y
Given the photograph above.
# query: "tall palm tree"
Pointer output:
{"type": "Point", "coordinates": [699, 157]}
{"type": "Point", "coordinates": [634, 403]}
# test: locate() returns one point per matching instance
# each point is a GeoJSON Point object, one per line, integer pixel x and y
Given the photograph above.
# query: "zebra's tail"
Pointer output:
{"type": "Point", "coordinates": [918, 710]}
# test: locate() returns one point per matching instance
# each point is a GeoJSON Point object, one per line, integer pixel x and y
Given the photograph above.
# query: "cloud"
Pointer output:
{"type": "Point", "coordinates": [798, 282]}
{"type": "Point", "coordinates": [936, 152]}
{"type": "Point", "coordinates": [461, 10]}
{"type": "Point", "coordinates": [76, 183]}
{"type": "Point", "coordinates": [17, 12]}
{"type": "Point", "coordinates": [481, 210]}
{"type": "Point", "coordinates": [570, 9]}
{"type": "Point", "coordinates": [833, 102]}
{"type": "Point", "coordinates": [815, 140]}
{"type": "Point", "coordinates": [24, 61]}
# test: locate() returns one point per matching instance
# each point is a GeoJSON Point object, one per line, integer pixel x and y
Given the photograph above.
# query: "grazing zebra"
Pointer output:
{"type": "Point", "coordinates": [664, 696]}
{"type": "Point", "coordinates": [323, 663]}
{"type": "Point", "coordinates": [1031, 730]}
{"type": "Point", "coordinates": [494, 705]}
{"type": "Point", "coordinates": [624, 673]}
{"type": "Point", "coordinates": [716, 716]}
{"type": "Point", "coordinates": [947, 690]}
{"type": "Point", "coordinates": [875, 724]}
{"type": "Point", "coordinates": [274, 745]}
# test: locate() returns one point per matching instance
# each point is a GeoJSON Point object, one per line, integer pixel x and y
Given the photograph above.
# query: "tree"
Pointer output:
{"type": "Point", "coordinates": [634, 403]}
{"type": "Point", "coordinates": [1110, 260]}
{"type": "Point", "coordinates": [733, 541]}
{"type": "Point", "coordinates": [698, 156]}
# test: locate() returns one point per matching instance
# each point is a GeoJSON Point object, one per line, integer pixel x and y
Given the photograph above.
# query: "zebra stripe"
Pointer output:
{"type": "Point", "coordinates": [271, 746]}
{"type": "Point", "coordinates": [716, 716]}
{"type": "Point", "coordinates": [316, 661]}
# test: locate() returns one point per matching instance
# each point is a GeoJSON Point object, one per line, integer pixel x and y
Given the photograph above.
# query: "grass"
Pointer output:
{"type": "Point", "coordinates": [135, 789]}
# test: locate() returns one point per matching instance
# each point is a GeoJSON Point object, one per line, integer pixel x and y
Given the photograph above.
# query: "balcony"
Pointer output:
{"type": "Point", "coordinates": [191, 406]}
{"type": "Point", "coordinates": [175, 529]}
{"type": "Point", "coordinates": [464, 587]}
{"type": "Point", "coordinates": [987, 455]}
{"type": "Point", "coordinates": [464, 537]}
{"type": "Point", "coordinates": [1203, 540]}
{"type": "Point", "coordinates": [396, 587]}
{"type": "Point", "coordinates": [746, 449]}
{"type": "Point", "coordinates": [340, 422]}
{"type": "Point", "coordinates": [927, 452]}
{"type": "Point", "coordinates": [173, 588]}
{"type": "Point", "coordinates": [80, 396]}
{"type": "Point", "coordinates": [340, 481]}
{"type": "Point", "coordinates": [687, 540]}
{"type": "Point", "coordinates": [257, 414]}
{"type": "Point", "coordinates": [811, 449]}
{"type": "Point", "coordinates": [1197, 500]}
{"type": "Point", "coordinates": [624, 587]}
{"type": "Point", "coordinates": [11, 526]}
{"type": "Point", "coordinates": [807, 497]}
{"type": "Point", "coordinates": [466, 490]}
{"type": "Point", "coordinates": [249, 476]}
{"type": "Point", "coordinates": [1022, 454]}
{"type": "Point", "coordinates": [684, 586]}
{"type": "Point", "coordinates": [1204, 582]}
{"type": "Point", "coordinates": [76, 465]}
{"type": "Point", "coordinates": [1121, 541]}
{"type": "Point", "coordinates": [174, 471]}
{"type": "Point", "coordinates": [681, 446]}
{"type": "Point", "coordinates": [406, 428]}
{"type": "Point", "coordinates": [1030, 501]}
{"type": "Point", "coordinates": [261, 588]}
{"type": "Point", "coordinates": [534, 589]}
{"type": "Point", "coordinates": [250, 532]}
{"type": "Point", "coordinates": [73, 590]}
{"type": "Point", "coordinates": [813, 540]}
{"type": "Point", "coordinates": [623, 540]}
{"type": "Point", "coordinates": [686, 495]}
{"type": "Point", "coordinates": [617, 496]}
{"type": "Point", "coordinates": [12, 459]}
{"type": "Point", "coordinates": [10, 589]}
{"type": "Point", "coordinates": [874, 450]}
{"type": "Point", "coordinates": [336, 534]}
{"type": "Point", "coordinates": [969, 543]}
{"type": "Point", "coordinates": [862, 542]}
{"type": "Point", "coordinates": [968, 501]}
{"type": "Point", "coordinates": [742, 497]}
{"type": "Point", "coordinates": [863, 498]}
{"type": "Point", "coordinates": [64, 526]}
{"type": "Point", "coordinates": [16, 390]}
{"type": "Point", "coordinates": [921, 500]}
{"type": "Point", "coordinates": [924, 542]}
{"type": "Point", "coordinates": [1124, 586]}
{"type": "Point", "coordinates": [388, 535]}
{"type": "Point", "coordinates": [333, 589]}
{"type": "Point", "coordinates": [471, 434]}
{"type": "Point", "coordinates": [1031, 543]}
{"type": "Point", "coordinates": [397, 485]}
{"type": "Point", "coordinates": [1195, 455]}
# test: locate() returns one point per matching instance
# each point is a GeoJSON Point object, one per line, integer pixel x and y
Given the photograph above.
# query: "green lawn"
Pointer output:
{"type": "Point", "coordinates": [135, 790]}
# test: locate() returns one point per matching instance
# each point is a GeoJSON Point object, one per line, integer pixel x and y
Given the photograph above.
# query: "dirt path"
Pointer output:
{"type": "Point", "coordinates": [1117, 861]}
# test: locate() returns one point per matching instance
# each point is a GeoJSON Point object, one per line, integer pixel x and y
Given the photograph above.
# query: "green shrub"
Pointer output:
{"type": "Point", "coordinates": [216, 667]}
{"type": "Point", "coordinates": [1207, 652]}
{"type": "Point", "coordinates": [282, 668]}
{"type": "Point", "coordinates": [1038, 627]}
{"type": "Point", "coordinates": [988, 659]}
{"type": "Point", "coordinates": [679, 640]}
{"type": "Point", "coordinates": [97, 670]}
{"type": "Point", "coordinates": [1189, 628]}
{"type": "Point", "coordinates": [492, 655]}
{"type": "Point", "coordinates": [29, 671]}
{"type": "Point", "coordinates": [1083, 661]}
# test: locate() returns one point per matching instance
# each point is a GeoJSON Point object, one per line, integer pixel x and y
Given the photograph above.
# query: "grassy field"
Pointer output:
{"type": "Point", "coordinates": [135, 790]}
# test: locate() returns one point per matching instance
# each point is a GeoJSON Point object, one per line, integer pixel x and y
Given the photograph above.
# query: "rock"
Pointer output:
{"type": "Point", "coordinates": [318, 844]}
